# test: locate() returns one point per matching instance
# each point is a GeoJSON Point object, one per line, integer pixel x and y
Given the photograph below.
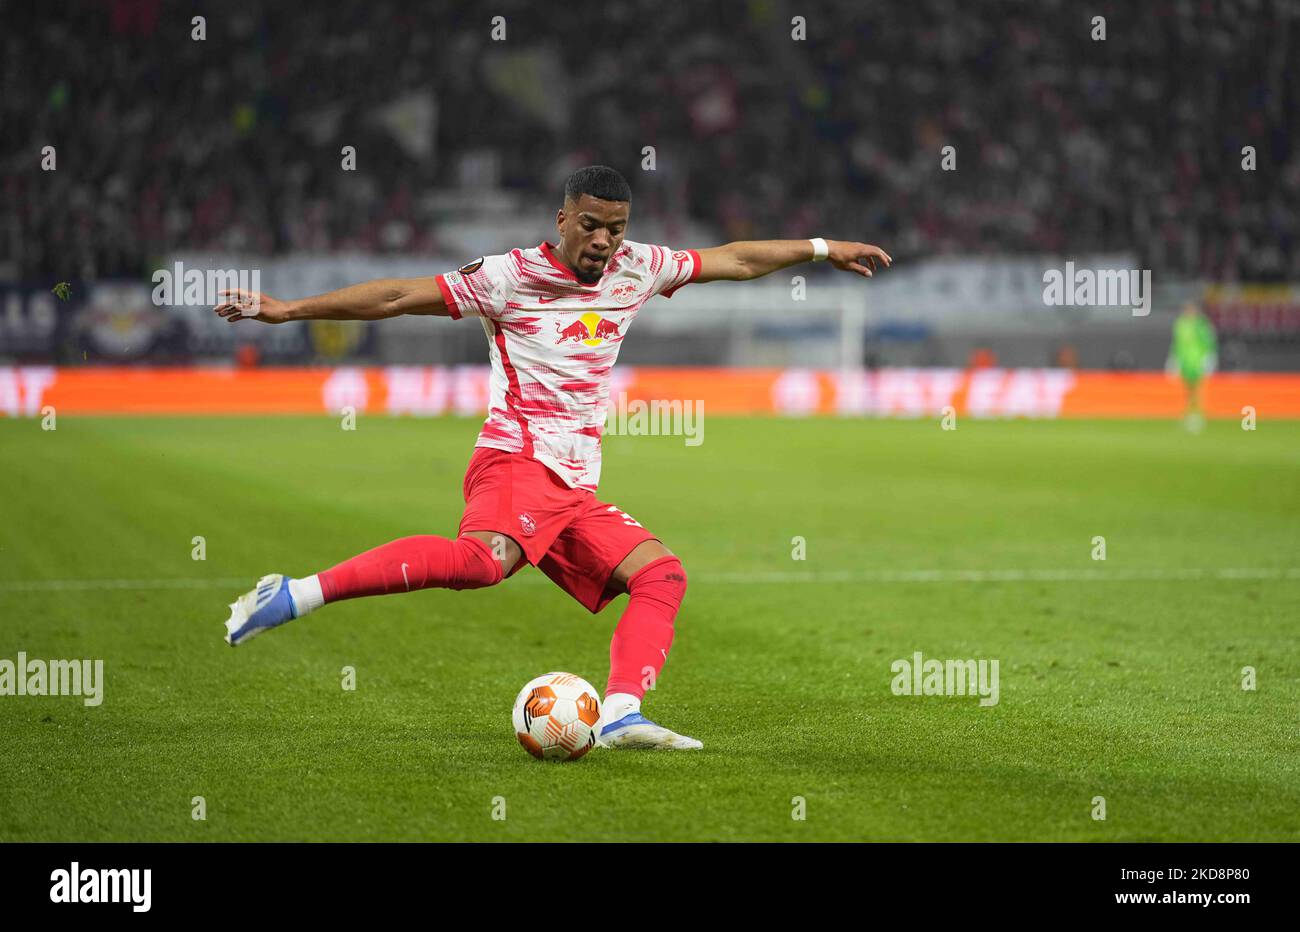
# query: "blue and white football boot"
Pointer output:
{"type": "Point", "coordinates": [259, 609]}
{"type": "Point", "coordinates": [636, 732]}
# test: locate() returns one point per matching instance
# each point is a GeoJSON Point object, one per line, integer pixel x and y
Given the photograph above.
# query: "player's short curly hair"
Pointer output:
{"type": "Point", "coordinates": [599, 181]}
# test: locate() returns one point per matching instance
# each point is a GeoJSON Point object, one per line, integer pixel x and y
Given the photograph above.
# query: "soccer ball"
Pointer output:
{"type": "Point", "coordinates": [555, 716]}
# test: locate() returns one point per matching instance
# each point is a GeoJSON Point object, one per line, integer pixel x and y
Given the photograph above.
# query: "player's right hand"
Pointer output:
{"type": "Point", "coordinates": [239, 304]}
{"type": "Point", "coordinates": [857, 257]}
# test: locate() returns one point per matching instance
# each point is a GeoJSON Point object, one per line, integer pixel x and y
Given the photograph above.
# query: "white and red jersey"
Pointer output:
{"type": "Point", "coordinates": [553, 341]}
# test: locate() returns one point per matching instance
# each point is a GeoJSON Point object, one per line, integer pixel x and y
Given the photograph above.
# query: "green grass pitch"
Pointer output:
{"type": "Point", "coordinates": [1120, 679]}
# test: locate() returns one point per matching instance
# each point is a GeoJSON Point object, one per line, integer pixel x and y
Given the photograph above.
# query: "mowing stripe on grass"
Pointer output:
{"type": "Point", "coordinates": [850, 576]}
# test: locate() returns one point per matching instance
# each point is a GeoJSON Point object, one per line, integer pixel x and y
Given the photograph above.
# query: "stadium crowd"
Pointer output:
{"type": "Point", "coordinates": [1063, 143]}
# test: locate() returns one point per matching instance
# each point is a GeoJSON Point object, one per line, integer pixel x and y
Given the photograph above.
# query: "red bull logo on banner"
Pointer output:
{"type": "Point", "coordinates": [590, 329]}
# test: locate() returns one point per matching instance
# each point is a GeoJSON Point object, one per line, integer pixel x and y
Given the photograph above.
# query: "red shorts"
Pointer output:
{"type": "Point", "coordinates": [571, 536]}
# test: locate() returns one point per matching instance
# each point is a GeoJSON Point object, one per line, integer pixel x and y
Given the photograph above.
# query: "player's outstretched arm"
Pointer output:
{"type": "Point", "coordinates": [746, 259]}
{"type": "Point", "coordinates": [374, 300]}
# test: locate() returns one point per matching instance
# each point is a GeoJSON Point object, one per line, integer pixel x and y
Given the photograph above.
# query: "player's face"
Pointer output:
{"type": "Point", "coordinates": [590, 231]}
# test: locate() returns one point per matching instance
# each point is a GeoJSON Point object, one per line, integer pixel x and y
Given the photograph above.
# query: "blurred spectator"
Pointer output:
{"type": "Point", "coordinates": [1063, 144]}
{"type": "Point", "coordinates": [1066, 357]}
{"type": "Point", "coordinates": [1121, 361]}
{"type": "Point", "coordinates": [247, 356]}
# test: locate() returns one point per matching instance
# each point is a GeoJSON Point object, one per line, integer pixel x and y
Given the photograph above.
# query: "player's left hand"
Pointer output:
{"type": "Point", "coordinates": [856, 257]}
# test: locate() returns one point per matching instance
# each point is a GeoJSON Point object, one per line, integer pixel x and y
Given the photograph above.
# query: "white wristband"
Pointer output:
{"type": "Point", "coordinates": [820, 249]}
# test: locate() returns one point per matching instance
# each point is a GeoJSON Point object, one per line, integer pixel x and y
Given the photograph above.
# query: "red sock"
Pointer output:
{"type": "Point", "coordinates": [421, 562]}
{"type": "Point", "coordinates": [645, 632]}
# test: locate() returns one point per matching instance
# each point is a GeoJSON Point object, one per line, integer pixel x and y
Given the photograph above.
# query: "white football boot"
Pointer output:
{"type": "Point", "coordinates": [636, 732]}
{"type": "Point", "coordinates": [261, 608]}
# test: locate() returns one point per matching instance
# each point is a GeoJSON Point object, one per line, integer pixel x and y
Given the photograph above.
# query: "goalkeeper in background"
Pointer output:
{"type": "Point", "coordinates": [1193, 354]}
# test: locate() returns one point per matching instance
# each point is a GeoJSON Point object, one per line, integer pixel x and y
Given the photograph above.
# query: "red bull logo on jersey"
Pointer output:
{"type": "Point", "coordinates": [590, 329]}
